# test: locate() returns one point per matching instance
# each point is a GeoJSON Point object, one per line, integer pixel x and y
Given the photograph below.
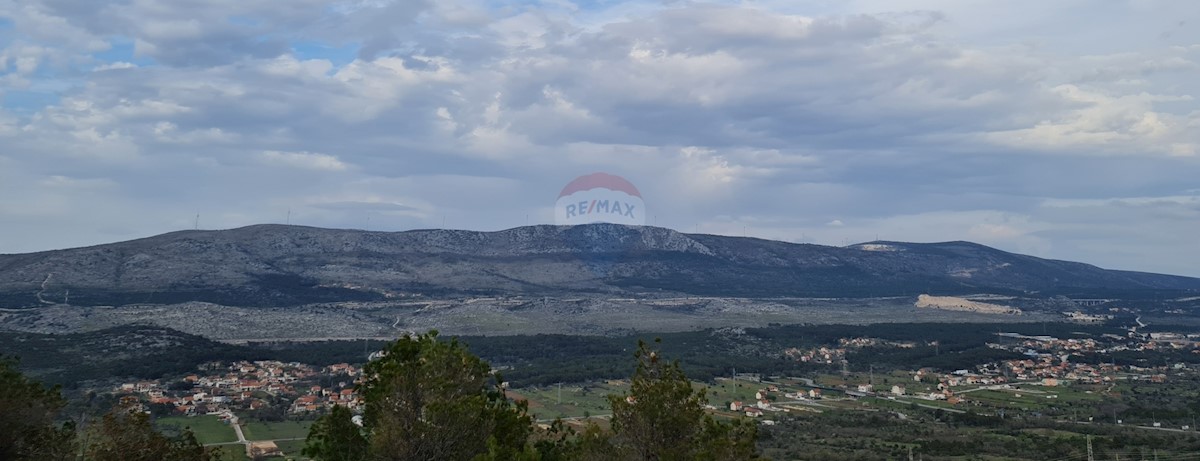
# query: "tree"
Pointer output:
{"type": "Point", "coordinates": [662, 417]}
{"type": "Point", "coordinates": [27, 418]}
{"type": "Point", "coordinates": [433, 400]}
{"type": "Point", "coordinates": [335, 437]}
{"type": "Point", "coordinates": [125, 435]}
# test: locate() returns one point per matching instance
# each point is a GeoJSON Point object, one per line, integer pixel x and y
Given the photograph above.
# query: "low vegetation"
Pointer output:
{"type": "Point", "coordinates": [30, 429]}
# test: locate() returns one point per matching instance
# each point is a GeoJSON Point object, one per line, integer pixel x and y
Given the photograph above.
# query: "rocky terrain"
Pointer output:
{"type": "Point", "coordinates": [273, 265]}
{"type": "Point", "coordinates": [273, 281]}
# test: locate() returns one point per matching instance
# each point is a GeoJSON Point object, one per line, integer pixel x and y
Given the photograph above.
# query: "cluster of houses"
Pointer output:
{"type": "Point", "coordinates": [245, 385]}
{"type": "Point", "coordinates": [766, 401]}
{"type": "Point", "coordinates": [762, 402]}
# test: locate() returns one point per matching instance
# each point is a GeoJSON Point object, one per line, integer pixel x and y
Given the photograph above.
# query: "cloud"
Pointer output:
{"type": "Point", "coordinates": [304, 160]}
{"type": "Point", "coordinates": [363, 206]}
{"type": "Point", "coordinates": [1026, 125]}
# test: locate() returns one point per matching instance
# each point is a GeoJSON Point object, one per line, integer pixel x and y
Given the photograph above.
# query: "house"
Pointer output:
{"type": "Point", "coordinates": [897, 390]}
{"type": "Point", "coordinates": [735, 406]}
{"type": "Point", "coordinates": [753, 412]}
{"type": "Point", "coordinates": [814, 393]}
{"type": "Point", "coordinates": [257, 450]}
{"type": "Point", "coordinates": [864, 388]}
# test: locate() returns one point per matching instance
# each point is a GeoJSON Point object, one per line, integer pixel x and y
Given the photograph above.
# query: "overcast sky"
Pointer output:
{"type": "Point", "coordinates": [1066, 129]}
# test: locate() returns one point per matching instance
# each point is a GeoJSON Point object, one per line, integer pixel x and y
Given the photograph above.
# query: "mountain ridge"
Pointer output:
{"type": "Point", "coordinates": [273, 264]}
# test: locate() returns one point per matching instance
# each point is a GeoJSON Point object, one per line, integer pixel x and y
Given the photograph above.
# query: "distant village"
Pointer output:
{"type": "Point", "coordinates": [224, 388]}
{"type": "Point", "coordinates": [297, 390]}
{"type": "Point", "coordinates": [1048, 363]}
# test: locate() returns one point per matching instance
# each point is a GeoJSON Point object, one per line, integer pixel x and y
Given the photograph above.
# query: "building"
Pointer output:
{"type": "Point", "coordinates": [256, 450]}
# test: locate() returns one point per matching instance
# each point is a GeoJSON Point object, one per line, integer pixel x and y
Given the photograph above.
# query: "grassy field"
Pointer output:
{"type": "Point", "coordinates": [291, 449]}
{"type": "Point", "coordinates": [235, 452]}
{"type": "Point", "coordinates": [273, 431]}
{"type": "Point", "coordinates": [577, 399]}
{"type": "Point", "coordinates": [591, 398]}
{"type": "Point", "coordinates": [208, 429]}
{"type": "Point", "coordinates": [725, 391]}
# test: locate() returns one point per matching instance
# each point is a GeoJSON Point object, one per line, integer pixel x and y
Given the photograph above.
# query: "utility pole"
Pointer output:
{"type": "Point", "coordinates": [1091, 457]}
{"type": "Point", "coordinates": [289, 217]}
{"type": "Point", "coordinates": [560, 393]}
{"type": "Point", "coordinates": [197, 225]}
{"type": "Point", "coordinates": [910, 456]}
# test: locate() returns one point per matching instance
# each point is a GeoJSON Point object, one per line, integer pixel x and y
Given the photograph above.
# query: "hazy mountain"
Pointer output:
{"type": "Point", "coordinates": [283, 265]}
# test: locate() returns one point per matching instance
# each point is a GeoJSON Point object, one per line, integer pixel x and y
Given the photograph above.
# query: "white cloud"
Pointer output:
{"type": "Point", "coordinates": [304, 160]}
{"type": "Point", "coordinates": [914, 119]}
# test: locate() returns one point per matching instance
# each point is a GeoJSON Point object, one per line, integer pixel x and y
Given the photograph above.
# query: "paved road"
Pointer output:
{"type": "Point", "coordinates": [243, 443]}
{"type": "Point", "coordinates": [237, 428]}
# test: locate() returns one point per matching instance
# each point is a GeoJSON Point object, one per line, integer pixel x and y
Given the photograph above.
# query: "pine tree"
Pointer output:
{"type": "Point", "coordinates": [433, 400]}
{"type": "Point", "coordinates": [335, 437]}
{"type": "Point", "coordinates": [125, 435]}
{"type": "Point", "coordinates": [27, 418]}
{"type": "Point", "coordinates": [662, 418]}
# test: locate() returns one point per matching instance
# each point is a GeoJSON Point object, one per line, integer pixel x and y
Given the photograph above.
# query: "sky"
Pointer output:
{"type": "Point", "coordinates": [1066, 129]}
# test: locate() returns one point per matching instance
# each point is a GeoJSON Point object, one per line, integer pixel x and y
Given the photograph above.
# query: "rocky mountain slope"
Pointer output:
{"type": "Point", "coordinates": [275, 265]}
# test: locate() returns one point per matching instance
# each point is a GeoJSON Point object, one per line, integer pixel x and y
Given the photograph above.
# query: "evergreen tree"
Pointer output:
{"type": "Point", "coordinates": [335, 437]}
{"type": "Point", "coordinates": [662, 418]}
{"type": "Point", "coordinates": [27, 418]}
{"type": "Point", "coordinates": [433, 400]}
{"type": "Point", "coordinates": [125, 435]}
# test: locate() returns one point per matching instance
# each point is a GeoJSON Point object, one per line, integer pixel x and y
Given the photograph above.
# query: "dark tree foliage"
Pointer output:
{"type": "Point", "coordinates": [27, 418]}
{"type": "Point", "coordinates": [124, 435]}
{"type": "Point", "coordinates": [663, 418]}
{"type": "Point", "coordinates": [433, 400]}
{"type": "Point", "coordinates": [335, 437]}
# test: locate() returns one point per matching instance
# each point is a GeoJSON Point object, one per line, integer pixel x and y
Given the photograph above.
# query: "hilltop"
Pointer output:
{"type": "Point", "coordinates": [277, 265]}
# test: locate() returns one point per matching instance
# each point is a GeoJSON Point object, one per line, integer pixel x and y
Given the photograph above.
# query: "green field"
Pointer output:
{"type": "Point", "coordinates": [275, 430]}
{"type": "Point", "coordinates": [235, 452]}
{"type": "Point", "coordinates": [291, 449]}
{"type": "Point", "coordinates": [725, 391]}
{"type": "Point", "coordinates": [208, 429]}
{"type": "Point", "coordinates": [577, 399]}
{"type": "Point", "coordinates": [591, 398]}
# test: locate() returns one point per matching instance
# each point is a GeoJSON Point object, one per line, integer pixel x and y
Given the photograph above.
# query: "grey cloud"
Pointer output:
{"type": "Point", "coordinates": [725, 116]}
{"type": "Point", "coordinates": [363, 206]}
